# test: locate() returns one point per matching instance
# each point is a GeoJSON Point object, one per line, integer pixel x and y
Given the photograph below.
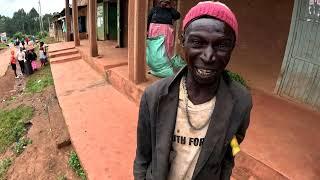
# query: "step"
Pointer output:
{"type": "Point", "coordinates": [118, 77]}
{"type": "Point", "coordinates": [247, 167]}
{"type": "Point", "coordinates": [62, 49]}
{"type": "Point", "coordinates": [63, 53]}
{"type": "Point", "coordinates": [66, 58]}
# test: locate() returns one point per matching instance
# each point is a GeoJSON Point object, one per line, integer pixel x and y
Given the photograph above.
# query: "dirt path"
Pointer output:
{"type": "Point", "coordinates": [7, 83]}
{"type": "Point", "coordinates": [41, 159]}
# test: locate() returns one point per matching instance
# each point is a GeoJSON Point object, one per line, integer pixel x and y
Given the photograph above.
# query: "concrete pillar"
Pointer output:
{"type": "Point", "coordinates": [138, 10]}
{"type": "Point", "coordinates": [76, 36]}
{"type": "Point", "coordinates": [56, 37]}
{"type": "Point", "coordinates": [68, 21]}
{"type": "Point", "coordinates": [92, 17]}
{"type": "Point", "coordinates": [131, 20]}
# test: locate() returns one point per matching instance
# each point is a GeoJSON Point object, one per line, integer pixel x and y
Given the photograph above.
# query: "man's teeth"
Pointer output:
{"type": "Point", "coordinates": [204, 72]}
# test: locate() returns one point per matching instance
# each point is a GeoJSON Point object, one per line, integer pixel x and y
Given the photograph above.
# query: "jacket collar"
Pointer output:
{"type": "Point", "coordinates": [175, 80]}
{"type": "Point", "coordinates": [166, 118]}
{"type": "Point", "coordinates": [218, 128]}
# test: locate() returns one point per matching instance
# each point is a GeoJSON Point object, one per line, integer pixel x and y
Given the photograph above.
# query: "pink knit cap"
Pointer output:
{"type": "Point", "coordinates": [215, 9]}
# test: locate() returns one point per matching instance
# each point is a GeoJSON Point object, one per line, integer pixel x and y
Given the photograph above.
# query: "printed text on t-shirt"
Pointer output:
{"type": "Point", "coordinates": [188, 140]}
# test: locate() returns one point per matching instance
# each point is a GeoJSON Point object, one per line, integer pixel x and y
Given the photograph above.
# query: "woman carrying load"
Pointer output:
{"type": "Point", "coordinates": [160, 22]}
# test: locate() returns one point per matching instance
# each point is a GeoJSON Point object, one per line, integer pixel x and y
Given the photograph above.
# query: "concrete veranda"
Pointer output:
{"type": "Point", "coordinates": [5, 61]}
{"type": "Point", "coordinates": [102, 123]}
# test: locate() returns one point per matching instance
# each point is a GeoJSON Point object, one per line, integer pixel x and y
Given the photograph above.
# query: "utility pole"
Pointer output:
{"type": "Point", "coordinates": [40, 17]}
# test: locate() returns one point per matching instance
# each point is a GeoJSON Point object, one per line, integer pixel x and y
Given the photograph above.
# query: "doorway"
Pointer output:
{"type": "Point", "coordinates": [299, 78]}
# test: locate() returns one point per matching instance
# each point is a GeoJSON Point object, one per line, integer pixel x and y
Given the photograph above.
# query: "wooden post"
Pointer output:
{"type": "Point", "coordinates": [68, 21]}
{"type": "Point", "coordinates": [178, 29]}
{"type": "Point", "coordinates": [76, 36]}
{"type": "Point", "coordinates": [131, 20]}
{"type": "Point", "coordinates": [92, 15]}
{"type": "Point", "coordinates": [137, 43]}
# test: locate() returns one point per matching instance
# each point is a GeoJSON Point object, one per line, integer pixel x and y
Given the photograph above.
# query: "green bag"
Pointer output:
{"type": "Point", "coordinates": [157, 58]}
{"type": "Point", "coordinates": [177, 62]}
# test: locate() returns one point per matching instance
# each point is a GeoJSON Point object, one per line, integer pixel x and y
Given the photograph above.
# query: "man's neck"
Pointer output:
{"type": "Point", "coordinates": [200, 93]}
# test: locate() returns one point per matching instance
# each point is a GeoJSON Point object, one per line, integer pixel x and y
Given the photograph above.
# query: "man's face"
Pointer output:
{"type": "Point", "coordinates": [165, 4]}
{"type": "Point", "coordinates": [208, 44]}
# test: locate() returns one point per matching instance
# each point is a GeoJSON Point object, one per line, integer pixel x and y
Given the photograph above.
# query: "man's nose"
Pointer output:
{"type": "Point", "coordinates": [209, 55]}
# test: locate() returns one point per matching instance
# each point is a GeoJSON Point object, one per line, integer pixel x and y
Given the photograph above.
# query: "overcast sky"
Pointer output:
{"type": "Point", "coordinates": [8, 7]}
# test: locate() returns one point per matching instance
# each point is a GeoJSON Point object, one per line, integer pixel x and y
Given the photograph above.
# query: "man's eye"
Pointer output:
{"type": "Point", "coordinates": [196, 42]}
{"type": "Point", "coordinates": [223, 46]}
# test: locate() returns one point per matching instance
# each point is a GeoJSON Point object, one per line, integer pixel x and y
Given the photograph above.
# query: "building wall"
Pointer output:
{"type": "Point", "coordinates": [83, 12]}
{"type": "Point", "coordinates": [263, 32]}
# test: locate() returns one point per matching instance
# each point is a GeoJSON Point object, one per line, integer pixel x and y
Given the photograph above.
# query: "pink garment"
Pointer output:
{"type": "Point", "coordinates": [167, 31]}
{"type": "Point", "coordinates": [34, 65]}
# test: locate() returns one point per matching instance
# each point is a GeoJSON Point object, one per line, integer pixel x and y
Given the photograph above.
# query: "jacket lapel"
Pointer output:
{"type": "Point", "coordinates": [166, 118]}
{"type": "Point", "coordinates": [218, 127]}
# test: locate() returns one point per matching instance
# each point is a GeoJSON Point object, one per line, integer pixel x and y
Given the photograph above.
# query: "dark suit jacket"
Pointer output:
{"type": "Point", "coordinates": [157, 117]}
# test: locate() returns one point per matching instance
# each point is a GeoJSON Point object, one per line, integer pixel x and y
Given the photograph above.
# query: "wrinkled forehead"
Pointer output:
{"type": "Point", "coordinates": [164, 1]}
{"type": "Point", "coordinates": [210, 25]}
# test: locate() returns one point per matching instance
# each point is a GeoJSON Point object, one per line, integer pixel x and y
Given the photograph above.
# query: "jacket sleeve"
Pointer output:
{"type": "Point", "coordinates": [144, 149]}
{"type": "Point", "coordinates": [228, 161]}
{"type": "Point", "coordinates": [175, 14]}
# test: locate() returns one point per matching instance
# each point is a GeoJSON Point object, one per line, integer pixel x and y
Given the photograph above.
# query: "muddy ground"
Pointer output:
{"type": "Point", "coordinates": [42, 159]}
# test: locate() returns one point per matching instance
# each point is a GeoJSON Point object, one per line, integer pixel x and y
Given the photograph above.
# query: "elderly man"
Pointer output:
{"type": "Point", "coordinates": [186, 122]}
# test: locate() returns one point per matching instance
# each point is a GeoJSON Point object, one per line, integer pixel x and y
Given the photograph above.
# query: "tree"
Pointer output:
{"type": "Point", "coordinates": [19, 18]}
{"type": "Point", "coordinates": [3, 20]}
{"type": "Point", "coordinates": [24, 23]}
{"type": "Point", "coordinates": [47, 18]}
{"type": "Point", "coordinates": [9, 26]}
{"type": "Point", "coordinates": [33, 21]}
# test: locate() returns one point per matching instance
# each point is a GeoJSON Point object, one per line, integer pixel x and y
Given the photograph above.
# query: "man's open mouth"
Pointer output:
{"type": "Point", "coordinates": [205, 72]}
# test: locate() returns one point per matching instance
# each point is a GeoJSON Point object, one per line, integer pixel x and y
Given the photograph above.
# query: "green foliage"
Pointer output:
{"type": "Point", "coordinates": [42, 35]}
{"type": "Point", "coordinates": [3, 46]}
{"type": "Point", "coordinates": [33, 22]}
{"type": "Point", "coordinates": [74, 163]}
{"type": "Point", "coordinates": [19, 146]}
{"type": "Point", "coordinates": [10, 40]}
{"type": "Point", "coordinates": [49, 40]}
{"type": "Point", "coordinates": [3, 21]}
{"type": "Point", "coordinates": [238, 78]}
{"type": "Point", "coordinates": [4, 166]}
{"type": "Point", "coordinates": [27, 23]}
{"type": "Point", "coordinates": [40, 80]}
{"type": "Point", "coordinates": [12, 125]}
{"type": "Point", "coordinates": [19, 35]}
{"type": "Point", "coordinates": [62, 177]}
{"type": "Point", "coordinates": [47, 18]}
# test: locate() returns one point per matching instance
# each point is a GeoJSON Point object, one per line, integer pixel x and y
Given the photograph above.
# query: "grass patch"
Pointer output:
{"type": "Point", "coordinates": [40, 80]}
{"type": "Point", "coordinates": [21, 145]}
{"type": "Point", "coordinates": [62, 177]}
{"type": "Point", "coordinates": [12, 125]}
{"type": "Point", "coordinates": [74, 163]}
{"type": "Point", "coordinates": [49, 40]}
{"type": "Point", "coordinates": [3, 46]}
{"type": "Point", "coordinates": [4, 166]}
